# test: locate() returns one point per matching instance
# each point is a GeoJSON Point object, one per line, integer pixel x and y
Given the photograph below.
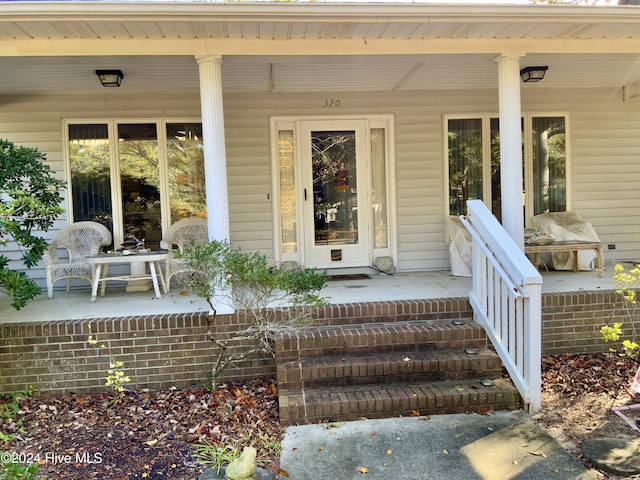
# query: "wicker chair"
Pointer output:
{"type": "Point", "coordinates": [79, 240]}
{"type": "Point", "coordinates": [178, 236]}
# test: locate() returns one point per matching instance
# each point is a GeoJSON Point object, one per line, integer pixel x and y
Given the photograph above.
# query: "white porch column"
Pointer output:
{"type": "Point", "coordinates": [215, 158]}
{"type": "Point", "coordinates": [511, 147]}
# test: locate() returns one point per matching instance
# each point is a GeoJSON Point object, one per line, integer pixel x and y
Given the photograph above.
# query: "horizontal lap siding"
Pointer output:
{"type": "Point", "coordinates": [38, 122]}
{"type": "Point", "coordinates": [605, 162]}
{"type": "Point", "coordinates": [418, 155]}
{"type": "Point", "coordinates": [249, 175]}
{"type": "Point", "coordinates": [604, 156]}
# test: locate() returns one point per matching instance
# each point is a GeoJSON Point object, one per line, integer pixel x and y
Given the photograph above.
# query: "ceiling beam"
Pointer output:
{"type": "Point", "coordinates": [229, 46]}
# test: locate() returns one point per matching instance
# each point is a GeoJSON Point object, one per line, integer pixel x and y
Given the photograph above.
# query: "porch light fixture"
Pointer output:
{"type": "Point", "coordinates": [533, 74]}
{"type": "Point", "coordinates": [110, 78]}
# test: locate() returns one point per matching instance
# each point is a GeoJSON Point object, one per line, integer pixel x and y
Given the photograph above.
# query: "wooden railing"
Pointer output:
{"type": "Point", "coordinates": [505, 297]}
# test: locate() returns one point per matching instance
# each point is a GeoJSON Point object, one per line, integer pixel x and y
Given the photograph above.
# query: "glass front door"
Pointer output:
{"type": "Point", "coordinates": [335, 194]}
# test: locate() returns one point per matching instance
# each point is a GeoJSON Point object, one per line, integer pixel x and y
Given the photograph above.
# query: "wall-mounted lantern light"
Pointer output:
{"type": "Point", "coordinates": [110, 78]}
{"type": "Point", "coordinates": [533, 74]}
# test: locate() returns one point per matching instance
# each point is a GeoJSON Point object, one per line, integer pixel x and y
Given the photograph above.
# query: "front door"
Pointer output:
{"type": "Point", "coordinates": [336, 193]}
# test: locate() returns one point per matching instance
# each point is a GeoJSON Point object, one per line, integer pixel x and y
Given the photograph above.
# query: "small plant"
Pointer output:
{"type": "Point", "coordinates": [272, 299]}
{"type": "Point", "coordinates": [215, 455]}
{"type": "Point", "coordinates": [218, 454]}
{"type": "Point", "coordinates": [627, 283]}
{"type": "Point", "coordinates": [17, 471]}
{"type": "Point", "coordinates": [116, 377]}
{"type": "Point", "coordinates": [9, 407]}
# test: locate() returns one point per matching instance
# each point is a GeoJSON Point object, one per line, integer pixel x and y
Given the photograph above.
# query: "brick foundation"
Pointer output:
{"type": "Point", "coordinates": [157, 351]}
{"type": "Point", "coordinates": [571, 322]}
{"type": "Point", "coordinates": [160, 351]}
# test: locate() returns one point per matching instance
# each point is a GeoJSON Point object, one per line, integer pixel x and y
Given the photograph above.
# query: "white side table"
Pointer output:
{"type": "Point", "coordinates": [153, 259]}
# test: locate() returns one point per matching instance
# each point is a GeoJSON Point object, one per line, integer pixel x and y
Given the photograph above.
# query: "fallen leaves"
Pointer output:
{"type": "Point", "coordinates": [578, 392]}
{"type": "Point", "coordinates": [587, 373]}
{"type": "Point", "coordinates": [538, 454]}
{"type": "Point", "coordinates": [149, 434]}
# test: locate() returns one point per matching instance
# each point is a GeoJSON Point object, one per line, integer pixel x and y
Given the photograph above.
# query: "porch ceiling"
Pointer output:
{"type": "Point", "coordinates": [59, 75]}
{"type": "Point", "coordinates": [55, 47]}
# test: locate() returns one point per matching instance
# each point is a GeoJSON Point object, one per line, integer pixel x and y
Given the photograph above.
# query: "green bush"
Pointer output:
{"type": "Point", "coordinates": [29, 200]}
{"type": "Point", "coordinates": [273, 299]}
{"type": "Point", "coordinates": [17, 471]}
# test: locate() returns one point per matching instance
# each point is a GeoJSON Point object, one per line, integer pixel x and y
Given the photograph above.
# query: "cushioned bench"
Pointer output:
{"type": "Point", "coordinates": [570, 246]}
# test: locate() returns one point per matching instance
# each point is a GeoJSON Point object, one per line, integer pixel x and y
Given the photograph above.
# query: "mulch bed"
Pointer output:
{"type": "Point", "coordinates": [148, 434]}
{"type": "Point", "coordinates": [151, 434]}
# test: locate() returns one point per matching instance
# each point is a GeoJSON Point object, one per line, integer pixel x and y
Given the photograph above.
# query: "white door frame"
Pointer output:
{"type": "Point", "coordinates": [336, 253]}
{"type": "Point", "coordinates": [294, 253]}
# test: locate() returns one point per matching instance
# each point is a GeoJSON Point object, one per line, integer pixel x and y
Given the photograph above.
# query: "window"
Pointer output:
{"type": "Point", "coordinates": [136, 178]}
{"type": "Point", "coordinates": [473, 160]}
{"type": "Point", "coordinates": [549, 178]}
{"type": "Point", "coordinates": [289, 240]}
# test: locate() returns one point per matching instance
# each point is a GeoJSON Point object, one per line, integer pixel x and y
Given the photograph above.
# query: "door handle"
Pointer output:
{"type": "Point", "coordinates": [305, 194]}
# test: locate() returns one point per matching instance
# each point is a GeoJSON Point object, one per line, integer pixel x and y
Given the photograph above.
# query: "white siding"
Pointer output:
{"type": "Point", "coordinates": [604, 136]}
{"type": "Point", "coordinates": [605, 161]}
{"type": "Point", "coordinates": [37, 121]}
{"type": "Point", "coordinates": [418, 156]}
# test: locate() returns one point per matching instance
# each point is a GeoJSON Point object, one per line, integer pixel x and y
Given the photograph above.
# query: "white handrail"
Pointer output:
{"type": "Point", "coordinates": [506, 300]}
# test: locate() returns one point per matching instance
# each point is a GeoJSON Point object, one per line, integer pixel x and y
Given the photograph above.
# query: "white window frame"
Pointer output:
{"type": "Point", "coordinates": [486, 157]}
{"type": "Point", "coordinates": [116, 194]}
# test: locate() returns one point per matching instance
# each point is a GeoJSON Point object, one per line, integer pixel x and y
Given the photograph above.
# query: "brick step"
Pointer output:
{"type": "Point", "coordinates": [378, 337]}
{"type": "Point", "coordinates": [388, 367]}
{"type": "Point", "coordinates": [385, 401]}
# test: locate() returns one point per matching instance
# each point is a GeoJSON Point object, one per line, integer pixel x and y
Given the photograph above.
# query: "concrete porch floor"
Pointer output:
{"type": "Point", "coordinates": [380, 287]}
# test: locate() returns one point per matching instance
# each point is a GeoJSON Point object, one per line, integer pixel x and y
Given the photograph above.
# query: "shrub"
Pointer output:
{"type": "Point", "coordinates": [273, 299]}
{"type": "Point", "coordinates": [29, 199]}
{"type": "Point", "coordinates": [627, 283]}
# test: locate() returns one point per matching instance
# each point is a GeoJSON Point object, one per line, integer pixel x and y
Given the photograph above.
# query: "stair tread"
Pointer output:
{"type": "Point", "coordinates": [314, 394]}
{"type": "Point", "coordinates": [333, 370]}
{"type": "Point", "coordinates": [349, 371]}
{"type": "Point", "coordinates": [380, 326]}
{"type": "Point", "coordinates": [393, 355]}
{"type": "Point", "coordinates": [383, 401]}
{"type": "Point", "coordinates": [401, 336]}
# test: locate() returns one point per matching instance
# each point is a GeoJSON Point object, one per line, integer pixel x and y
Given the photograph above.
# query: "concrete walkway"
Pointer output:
{"type": "Point", "coordinates": [500, 446]}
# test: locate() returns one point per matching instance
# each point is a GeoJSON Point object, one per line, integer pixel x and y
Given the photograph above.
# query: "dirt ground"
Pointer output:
{"type": "Point", "coordinates": [150, 435]}
{"type": "Point", "coordinates": [153, 435]}
{"type": "Point", "coordinates": [578, 393]}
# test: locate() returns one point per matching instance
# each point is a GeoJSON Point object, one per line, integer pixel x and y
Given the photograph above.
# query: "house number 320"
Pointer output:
{"type": "Point", "coordinates": [331, 102]}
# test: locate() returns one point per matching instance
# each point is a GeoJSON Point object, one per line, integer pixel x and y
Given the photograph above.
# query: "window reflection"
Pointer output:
{"type": "Point", "coordinates": [138, 175]}
{"type": "Point", "coordinates": [185, 158]}
{"type": "Point", "coordinates": [90, 174]}
{"type": "Point", "coordinates": [140, 184]}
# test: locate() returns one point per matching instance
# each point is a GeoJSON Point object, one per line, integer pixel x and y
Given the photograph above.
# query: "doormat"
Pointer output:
{"type": "Point", "coordinates": [349, 276]}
